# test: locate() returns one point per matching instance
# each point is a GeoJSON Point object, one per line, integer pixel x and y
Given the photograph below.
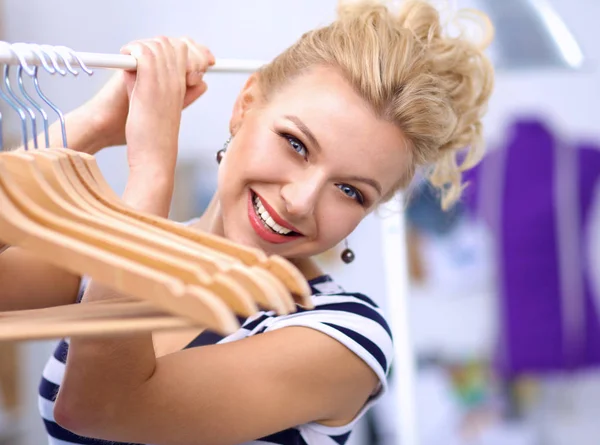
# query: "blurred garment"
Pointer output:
{"type": "Point", "coordinates": [536, 194]}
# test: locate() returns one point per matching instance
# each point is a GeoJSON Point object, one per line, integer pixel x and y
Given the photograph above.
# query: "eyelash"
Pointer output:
{"type": "Point", "coordinates": [291, 140]}
{"type": "Point", "coordinates": [359, 196]}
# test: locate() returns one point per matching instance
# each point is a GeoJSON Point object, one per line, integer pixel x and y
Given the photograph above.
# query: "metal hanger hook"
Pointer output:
{"type": "Point", "coordinates": [11, 103]}
{"type": "Point", "coordinates": [32, 101]}
{"type": "Point", "coordinates": [19, 50]}
{"type": "Point", "coordinates": [22, 104]}
{"type": "Point", "coordinates": [49, 51]}
{"type": "Point", "coordinates": [70, 52]}
{"type": "Point", "coordinates": [42, 56]}
{"type": "Point", "coordinates": [59, 113]}
{"type": "Point", "coordinates": [65, 58]}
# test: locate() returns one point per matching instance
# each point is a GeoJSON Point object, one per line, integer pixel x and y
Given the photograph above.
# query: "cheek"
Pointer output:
{"type": "Point", "coordinates": [336, 221]}
{"type": "Point", "coordinates": [260, 158]}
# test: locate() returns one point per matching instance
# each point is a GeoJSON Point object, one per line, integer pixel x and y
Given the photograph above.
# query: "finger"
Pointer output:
{"type": "Point", "coordinates": [141, 51]}
{"type": "Point", "coordinates": [197, 62]}
{"type": "Point", "coordinates": [197, 58]}
{"type": "Point", "coordinates": [211, 57]}
{"type": "Point", "coordinates": [181, 59]}
{"type": "Point", "coordinates": [194, 93]}
{"type": "Point", "coordinates": [193, 78]}
{"type": "Point", "coordinates": [200, 50]}
{"type": "Point", "coordinates": [132, 49]}
{"type": "Point", "coordinates": [206, 54]}
{"type": "Point", "coordinates": [164, 49]}
{"type": "Point", "coordinates": [127, 48]}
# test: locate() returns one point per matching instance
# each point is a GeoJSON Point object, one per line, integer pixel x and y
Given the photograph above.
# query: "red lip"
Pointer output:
{"type": "Point", "coordinates": [275, 216]}
{"type": "Point", "coordinates": [262, 231]}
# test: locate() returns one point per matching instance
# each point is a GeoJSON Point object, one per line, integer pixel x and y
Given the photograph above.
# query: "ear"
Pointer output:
{"type": "Point", "coordinates": [248, 99]}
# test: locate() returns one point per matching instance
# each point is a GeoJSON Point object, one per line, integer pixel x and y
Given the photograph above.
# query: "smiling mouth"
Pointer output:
{"type": "Point", "coordinates": [267, 220]}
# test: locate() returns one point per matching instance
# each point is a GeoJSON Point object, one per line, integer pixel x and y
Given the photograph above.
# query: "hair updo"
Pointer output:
{"type": "Point", "coordinates": [433, 86]}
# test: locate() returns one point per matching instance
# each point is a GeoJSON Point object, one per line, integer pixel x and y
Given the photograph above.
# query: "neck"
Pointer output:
{"type": "Point", "coordinates": [211, 221]}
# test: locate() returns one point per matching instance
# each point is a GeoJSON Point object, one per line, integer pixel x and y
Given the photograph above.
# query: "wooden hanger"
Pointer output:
{"type": "Point", "coordinates": [96, 318]}
{"type": "Point", "coordinates": [292, 278]}
{"type": "Point", "coordinates": [57, 204]}
{"type": "Point", "coordinates": [264, 291]}
{"type": "Point", "coordinates": [19, 166]}
{"type": "Point", "coordinates": [201, 307]}
{"type": "Point", "coordinates": [59, 215]}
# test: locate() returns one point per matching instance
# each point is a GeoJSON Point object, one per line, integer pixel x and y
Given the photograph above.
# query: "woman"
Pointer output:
{"type": "Point", "coordinates": [322, 135]}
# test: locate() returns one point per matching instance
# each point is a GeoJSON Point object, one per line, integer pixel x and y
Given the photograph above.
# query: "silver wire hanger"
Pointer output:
{"type": "Point", "coordinates": [15, 106]}
{"type": "Point", "coordinates": [22, 104]}
{"type": "Point", "coordinates": [33, 72]}
{"type": "Point", "coordinates": [47, 50]}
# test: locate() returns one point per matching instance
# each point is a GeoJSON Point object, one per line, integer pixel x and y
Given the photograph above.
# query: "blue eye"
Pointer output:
{"type": "Point", "coordinates": [351, 192]}
{"type": "Point", "coordinates": [297, 146]}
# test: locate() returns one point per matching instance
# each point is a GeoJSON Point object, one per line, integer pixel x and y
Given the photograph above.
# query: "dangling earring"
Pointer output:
{"type": "Point", "coordinates": [222, 151]}
{"type": "Point", "coordinates": [347, 254]}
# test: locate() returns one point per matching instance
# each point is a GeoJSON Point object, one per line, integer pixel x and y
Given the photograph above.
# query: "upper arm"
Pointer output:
{"type": "Point", "coordinates": [239, 391]}
{"type": "Point", "coordinates": [26, 282]}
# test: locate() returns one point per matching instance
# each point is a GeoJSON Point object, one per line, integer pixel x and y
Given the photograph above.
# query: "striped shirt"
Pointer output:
{"type": "Point", "coordinates": [351, 318]}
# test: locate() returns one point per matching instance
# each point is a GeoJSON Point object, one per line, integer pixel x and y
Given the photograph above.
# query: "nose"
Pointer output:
{"type": "Point", "coordinates": [302, 194]}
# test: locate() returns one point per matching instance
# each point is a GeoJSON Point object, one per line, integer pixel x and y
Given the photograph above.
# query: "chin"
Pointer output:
{"type": "Point", "coordinates": [251, 240]}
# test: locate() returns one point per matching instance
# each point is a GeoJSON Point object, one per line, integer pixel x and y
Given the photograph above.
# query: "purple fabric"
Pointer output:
{"type": "Point", "coordinates": [528, 254]}
{"type": "Point", "coordinates": [522, 218]}
{"type": "Point", "coordinates": [588, 156]}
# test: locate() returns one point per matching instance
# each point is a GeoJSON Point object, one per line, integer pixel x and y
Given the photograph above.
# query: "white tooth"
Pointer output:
{"type": "Point", "coordinates": [259, 208]}
{"type": "Point", "coordinates": [283, 230]}
{"type": "Point", "coordinates": [267, 219]}
{"type": "Point", "coordinates": [278, 227]}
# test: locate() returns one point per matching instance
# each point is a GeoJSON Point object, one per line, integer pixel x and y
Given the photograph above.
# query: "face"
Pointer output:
{"type": "Point", "coordinates": [304, 168]}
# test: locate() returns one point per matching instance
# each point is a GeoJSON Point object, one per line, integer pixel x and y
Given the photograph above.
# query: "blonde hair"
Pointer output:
{"type": "Point", "coordinates": [433, 86]}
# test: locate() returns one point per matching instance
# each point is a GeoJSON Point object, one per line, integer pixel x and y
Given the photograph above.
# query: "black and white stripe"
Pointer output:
{"type": "Point", "coordinates": [351, 318]}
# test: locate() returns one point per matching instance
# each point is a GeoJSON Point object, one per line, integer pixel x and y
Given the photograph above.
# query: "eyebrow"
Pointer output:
{"type": "Point", "coordinates": [368, 181]}
{"type": "Point", "coordinates": [306, 131]}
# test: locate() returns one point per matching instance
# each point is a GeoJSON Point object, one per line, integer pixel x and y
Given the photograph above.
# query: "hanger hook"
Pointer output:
{"type": "Point", "coordinates": [15, 106]}
{"type": "Point", "coordinates": [65, 58]}
{"type": "Point", "coordinates": [32, 101]}
{"type": "Point", "coordinates": [70, 52]}
{"type": "Point", "coordinates": [18, 50]}
{"type": "Point", "coordinates": [59, 113]}
{"type": "Point", "coordinates": [49, 51]}
{"type": "Point", "coordinates": [21, 114]}
{"type": "Point", "coordinates": [42, 56]}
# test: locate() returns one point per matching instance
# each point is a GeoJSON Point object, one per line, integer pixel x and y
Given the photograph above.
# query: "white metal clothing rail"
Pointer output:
{"type": "Point", "coordinates": [8, 55]}
{"type": "Point", "coordinates": [392, 234]}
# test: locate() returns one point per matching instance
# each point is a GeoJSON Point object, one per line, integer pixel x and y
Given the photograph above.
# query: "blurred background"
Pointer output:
{"type": "Point", "coordinates": [504, 293]}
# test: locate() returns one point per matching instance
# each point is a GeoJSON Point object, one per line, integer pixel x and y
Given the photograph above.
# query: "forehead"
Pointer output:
{"type": "Point", "coordinates": [354, 140]}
